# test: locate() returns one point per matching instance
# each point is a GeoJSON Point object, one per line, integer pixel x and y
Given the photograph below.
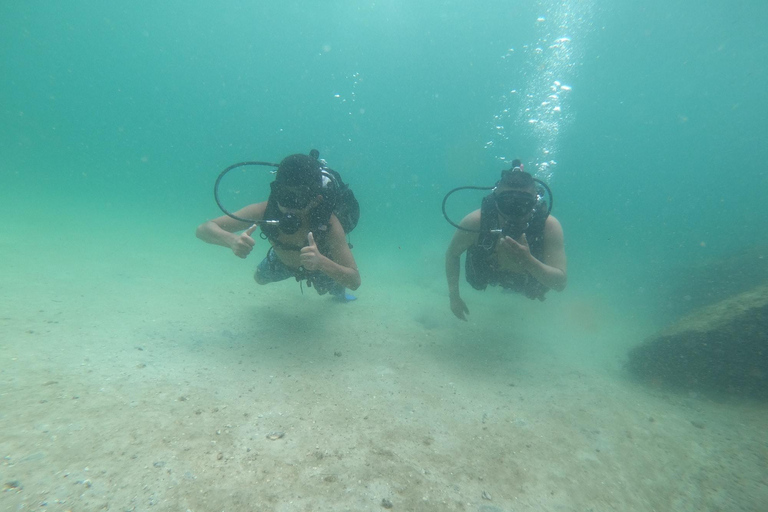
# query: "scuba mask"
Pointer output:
{"type": "Point", "coordinates": [515, 203]}
{"type": "Point", "coordinates": [290, 197]}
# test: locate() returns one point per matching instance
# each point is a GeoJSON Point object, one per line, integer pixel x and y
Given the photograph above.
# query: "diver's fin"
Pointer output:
{"type": "Point", "coordinates": [345, 297]}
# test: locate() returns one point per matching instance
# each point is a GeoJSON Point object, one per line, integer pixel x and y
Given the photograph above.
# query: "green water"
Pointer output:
{"type": "Point", "coordinates": [119, 110]}
{"type": "Point", "coordinates": [116, 118]}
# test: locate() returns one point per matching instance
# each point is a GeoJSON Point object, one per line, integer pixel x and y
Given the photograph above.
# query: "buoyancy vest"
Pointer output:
{"type": "Point", "coordinates": [481, 267]}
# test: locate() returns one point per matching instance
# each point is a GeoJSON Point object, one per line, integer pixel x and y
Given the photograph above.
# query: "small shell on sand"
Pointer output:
{"type": "Point", "coordinates": [274, 436]}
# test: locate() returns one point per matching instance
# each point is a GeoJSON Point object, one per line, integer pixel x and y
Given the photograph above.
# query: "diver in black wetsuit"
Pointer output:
{"type": "Point", "coordinates": [511, 241]}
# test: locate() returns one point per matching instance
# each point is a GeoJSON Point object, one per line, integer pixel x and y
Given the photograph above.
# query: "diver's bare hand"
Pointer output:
{"type": "Point", "coordinates": [459, 308]}
{"type": "Point", "coordinates": [514, 256]}
{"type": "Point", "coordinates": [310, 255]}
{"type": "Point", "coordinates": [243, 244]}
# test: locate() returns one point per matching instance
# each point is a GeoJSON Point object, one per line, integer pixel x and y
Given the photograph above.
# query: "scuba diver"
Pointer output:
{"type": "Point", "coordinates": [512, 241]}
{"type": "Point", "coordinates": [305, 219]}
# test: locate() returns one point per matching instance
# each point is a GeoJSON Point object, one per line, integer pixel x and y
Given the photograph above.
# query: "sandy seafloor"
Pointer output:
{"type": "Point", "coordinates": [143, 371]}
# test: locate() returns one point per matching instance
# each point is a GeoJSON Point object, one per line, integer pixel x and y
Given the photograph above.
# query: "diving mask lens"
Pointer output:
{"type": "Point", "coordinates": [515, 204]}
{"type": "Point", "coordinates": [291, 198]}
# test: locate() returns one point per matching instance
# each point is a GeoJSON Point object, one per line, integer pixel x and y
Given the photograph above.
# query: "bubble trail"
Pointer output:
{"type": "Point", "coordinates": [539, 108]}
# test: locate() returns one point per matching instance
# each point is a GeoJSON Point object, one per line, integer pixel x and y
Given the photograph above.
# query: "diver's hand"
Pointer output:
{"type": "Point", "coordinates": [310, 255]}
{"type": "Point", "coordinates": [459, 307]}
{"type": "Point", "coordinates": [243, 244]}
{"type": "Point", "coordinates": [514, 256]}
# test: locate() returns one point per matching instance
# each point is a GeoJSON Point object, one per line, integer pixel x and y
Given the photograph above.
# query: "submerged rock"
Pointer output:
{"type": "Point", "coordinates": [721, 348]}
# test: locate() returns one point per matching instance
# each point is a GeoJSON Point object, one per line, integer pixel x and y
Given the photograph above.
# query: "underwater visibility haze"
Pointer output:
{"type": "Point", "coordinates": [131, 348]}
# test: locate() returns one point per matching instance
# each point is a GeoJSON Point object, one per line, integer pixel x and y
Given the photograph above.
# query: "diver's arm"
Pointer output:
{"type": "Point", "coordinates": [461, 241]}
{"type": "Point", "coordinates": [221, 230]}
{"type": "Point", "coordinates": [453, 273]}
{"type": "Point", "coordinates": [453, 268]}
{"type": "Point", "coordinates": [341, 267]}
{"type": "Point", "coordinates": [552, 272]}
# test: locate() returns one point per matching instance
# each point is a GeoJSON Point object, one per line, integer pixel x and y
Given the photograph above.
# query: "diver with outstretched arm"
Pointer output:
{"type": "Point", "coordinates": [308, 241]}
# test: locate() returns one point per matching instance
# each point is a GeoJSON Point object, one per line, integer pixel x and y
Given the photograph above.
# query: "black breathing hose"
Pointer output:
{"type": "Point", "coordinates": [445, 200]}
{"type": "Point", "coordinates": [216, 189]}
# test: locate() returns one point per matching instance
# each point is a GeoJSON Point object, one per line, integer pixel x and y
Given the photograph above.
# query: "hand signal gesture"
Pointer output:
{"type": "Point", "coordinates": [310, 255]}
{"type": "Point", "coordinates": [243, 244]}
{"type": "Point", "coordinates": [513, 255]}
